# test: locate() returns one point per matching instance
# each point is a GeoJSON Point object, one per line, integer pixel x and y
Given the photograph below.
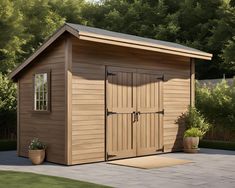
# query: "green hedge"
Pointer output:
{"type": "Point", "coordinates": [6, 145]}
{"type": "Point", "coordinates": [217, 104]}
{"type": "Point", "coordinates": [217, 144]}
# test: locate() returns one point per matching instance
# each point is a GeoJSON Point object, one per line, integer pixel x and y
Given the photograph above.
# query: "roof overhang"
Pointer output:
{"type": "Point", "coordinates": [109, 40]}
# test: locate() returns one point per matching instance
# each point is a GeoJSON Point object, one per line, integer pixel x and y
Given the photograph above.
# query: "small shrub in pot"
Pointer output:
{"type": "Point", "coordinates": [37, 151]}
{"type": "Point", "coordinates": [196, 126]}
{"type": "Point", "coordinates": [191, 140]}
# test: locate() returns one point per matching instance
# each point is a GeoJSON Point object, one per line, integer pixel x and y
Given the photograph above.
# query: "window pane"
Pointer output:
{"type": "Point", "coordinates": [45, 105]}
{"type": "Point", "coordinates": [40, 96]}
{"type": "Point", "coordinates": [41, 105]}
{"type": "Point", "coordinates": [37, 107]}
{"type": "Point", "coordinates": [45, 87]}
{"type": "Point", "coordinates": [45, 96]}
{"type": "Point", "coordinates": [37, 95]}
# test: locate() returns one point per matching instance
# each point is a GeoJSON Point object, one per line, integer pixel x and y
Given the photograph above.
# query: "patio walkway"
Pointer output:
{"type": "Point", "coordinates": [211, 168]}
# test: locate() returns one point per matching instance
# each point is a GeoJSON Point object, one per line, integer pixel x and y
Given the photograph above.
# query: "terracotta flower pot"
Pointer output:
{"type": "Point", "coordinates": [37, 156]}
{"type": "Point", "coordinates": [191, 144]}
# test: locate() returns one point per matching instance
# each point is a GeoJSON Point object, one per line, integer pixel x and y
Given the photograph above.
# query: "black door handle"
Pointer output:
{"type": "Point", "coordinates": [137, 116]}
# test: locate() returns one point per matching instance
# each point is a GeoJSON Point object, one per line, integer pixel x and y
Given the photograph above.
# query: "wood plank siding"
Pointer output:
{"type": "Point", "coordinates": [48, 127]}
{"type": "Point", "coordinates": [89, 62]}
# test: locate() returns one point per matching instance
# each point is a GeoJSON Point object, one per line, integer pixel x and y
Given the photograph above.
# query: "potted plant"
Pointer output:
{"type": "Point", "coordinates": [37, 151]}
{"type": "Point", "coordinates": [196, 127]}
{"type": "Point", "coordinates": [191, 140]}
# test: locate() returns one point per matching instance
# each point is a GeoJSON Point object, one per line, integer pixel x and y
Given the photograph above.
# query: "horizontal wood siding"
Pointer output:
{"type": "Point", "coordinates": [88, 93]}
{"type": "Point", "coordinates": [48, 127]}
{"type": "Point", "coordinates": [87, 112]}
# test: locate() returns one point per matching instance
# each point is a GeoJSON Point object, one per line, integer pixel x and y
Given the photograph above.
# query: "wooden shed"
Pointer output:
{"type": "Point", "coordinates": [95, 95]}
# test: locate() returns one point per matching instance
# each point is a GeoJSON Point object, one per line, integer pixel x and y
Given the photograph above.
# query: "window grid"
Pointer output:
{"type": "Point", "coordinates": [41, 92]}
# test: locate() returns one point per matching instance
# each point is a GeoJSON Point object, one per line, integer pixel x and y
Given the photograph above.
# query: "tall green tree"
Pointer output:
{"type": "Point", "coordinates": [11, 37]}
{"type": "Point", "coordinates": [39, 21]}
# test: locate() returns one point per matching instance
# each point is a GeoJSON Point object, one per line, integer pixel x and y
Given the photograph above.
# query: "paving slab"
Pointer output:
{"type": "Point", "coordinates": [210, 168]}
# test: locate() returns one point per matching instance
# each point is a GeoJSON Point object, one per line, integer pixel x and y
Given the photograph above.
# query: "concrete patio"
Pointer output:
{"type": "Point", "coordinates": [210, 168]}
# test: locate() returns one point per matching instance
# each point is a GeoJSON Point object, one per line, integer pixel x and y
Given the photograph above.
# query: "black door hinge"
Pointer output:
{"type": "Point", "coordinates": [161, 78]}
{"type": "Point", "coordinates": [161, 149]}
{"type": "Point", "coordinates": [110, 156]}
{"type": "Point", "coordinates": [110, 112]}
{"type": "Point", "coordinates": [160, 112]}
{"type": "Point", "coordinates": [110, 74]}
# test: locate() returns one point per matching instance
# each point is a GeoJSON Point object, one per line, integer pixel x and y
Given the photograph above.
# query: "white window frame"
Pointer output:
{"type": "Point", "coordinates": [41, 81]}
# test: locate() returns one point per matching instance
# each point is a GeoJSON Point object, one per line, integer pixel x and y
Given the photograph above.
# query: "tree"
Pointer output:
{"type": "Point", "coordinates": [11, 36]}
{"type": "Point", "coordinates": [229, 57]}
{"type": "Point", "coordinates": [7, 102]}
{"type": "Point", "coordinates": [39, 21]}
{"type": "Point", "coordinates": [7, 94]}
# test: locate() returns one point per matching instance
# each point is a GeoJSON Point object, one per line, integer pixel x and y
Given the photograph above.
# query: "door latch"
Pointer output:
{"type": "Point", "coordinates": [136, 116]}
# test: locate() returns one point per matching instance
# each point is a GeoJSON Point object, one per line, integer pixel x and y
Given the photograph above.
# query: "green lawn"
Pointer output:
{"type": "Point", "coordinates": [10, 179]}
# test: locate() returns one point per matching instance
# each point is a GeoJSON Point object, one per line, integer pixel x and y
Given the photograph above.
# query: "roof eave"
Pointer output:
{"type": "Point", "coordinates": [150, 47]}
{"type": "Point", "coordinates": [141, 43]}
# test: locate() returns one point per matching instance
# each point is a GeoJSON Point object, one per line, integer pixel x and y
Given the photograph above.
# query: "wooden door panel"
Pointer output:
{"type": "Point", "coordinates": [121, 132]}
{"type": "Point", "coordinates": [131, 91]}
{"type": "Point", "coordinates": [120, 136]}
{"type": "Point", "coordinates": [149, 131]}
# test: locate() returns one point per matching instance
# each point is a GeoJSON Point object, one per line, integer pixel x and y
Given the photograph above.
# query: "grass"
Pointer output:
{"type": "Point", "coordinates": [217, 144]}
{"type": "Point", "coordinates": [6, 145]}
{"type": "Point", "coordinates": [10, 179]}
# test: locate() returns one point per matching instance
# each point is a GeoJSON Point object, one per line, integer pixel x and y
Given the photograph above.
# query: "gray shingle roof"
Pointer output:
{"type": "Point", "coordinates": [93, 30]}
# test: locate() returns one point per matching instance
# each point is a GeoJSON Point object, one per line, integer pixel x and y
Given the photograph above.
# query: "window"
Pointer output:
{"type": "Point", "coordinates": [41, 92]}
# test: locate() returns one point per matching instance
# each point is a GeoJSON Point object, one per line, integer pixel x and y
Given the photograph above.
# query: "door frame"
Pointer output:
{"type": "Point", "coordinates": [162, 77]}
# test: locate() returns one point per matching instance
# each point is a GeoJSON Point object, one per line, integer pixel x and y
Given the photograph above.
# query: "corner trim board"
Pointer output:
{"type": "Point", "coordinates": [18, 118]}
{"type": "Point", "coordinates": [68, 101]}
{"type": "Point", "coordinates": [192, 82]}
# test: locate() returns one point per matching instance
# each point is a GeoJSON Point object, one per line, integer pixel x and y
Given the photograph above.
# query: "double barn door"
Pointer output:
{"type": "Point", "coordinates": [134, 112]}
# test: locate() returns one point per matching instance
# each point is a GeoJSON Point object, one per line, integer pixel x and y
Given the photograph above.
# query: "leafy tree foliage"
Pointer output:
{"type": "Point", "coordinates": [217, 104]}
{"type": "Point", "coordinates": [11, 37]}
{"type": "Point", "coordinates": [7, 94]}
{"type": "Point", "coordinates": [7, 102]}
